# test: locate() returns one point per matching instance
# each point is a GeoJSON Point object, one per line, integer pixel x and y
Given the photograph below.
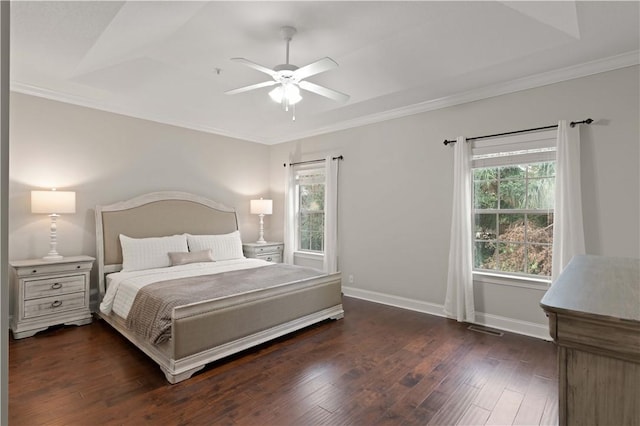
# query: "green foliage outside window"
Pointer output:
{"type": "Point", "coordinates": [311, 217]}
{"type": "Point", "coordinates": [513, 218]}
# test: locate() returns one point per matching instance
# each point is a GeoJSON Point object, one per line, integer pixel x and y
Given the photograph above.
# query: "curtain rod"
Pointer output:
{"type": "Point", "coordinates": [555, 126]}
{"type": "Point", "coordinates": [339, 157]}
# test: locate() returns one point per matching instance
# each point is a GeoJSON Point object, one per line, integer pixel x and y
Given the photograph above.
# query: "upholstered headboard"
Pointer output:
{"type": "Point", "coordinates": [155, 214]}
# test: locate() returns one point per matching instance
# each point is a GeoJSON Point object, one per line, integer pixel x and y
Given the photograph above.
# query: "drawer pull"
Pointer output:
{"type": "Point", "coordinates": [34, 271]}
{"type": "Point", "coordinates": [78, 267]}
{"type": "Point", "coordinates": [269, 259]}
{"type": "Point", "coordinates": [56, 304]}
{"type": "Point", "coordinates": [56, 286]}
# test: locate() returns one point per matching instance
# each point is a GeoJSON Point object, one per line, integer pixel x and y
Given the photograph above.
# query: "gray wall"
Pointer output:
{"type": "Point", "coordinates": [107, 157]}
{"type": "Point", "coordinates": [396, 190]}
{"type": "Point", "coordinates": [395, 182]}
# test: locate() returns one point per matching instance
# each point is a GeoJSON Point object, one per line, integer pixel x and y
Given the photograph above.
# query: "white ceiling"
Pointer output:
{"type": "Point", "coordinates": [158, 60]}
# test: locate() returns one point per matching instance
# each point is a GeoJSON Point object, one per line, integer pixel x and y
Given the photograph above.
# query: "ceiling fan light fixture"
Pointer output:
{"type": "Point", "coordinates": [286, 94]}
{"type": "Point", "coordinates": [289, 79]}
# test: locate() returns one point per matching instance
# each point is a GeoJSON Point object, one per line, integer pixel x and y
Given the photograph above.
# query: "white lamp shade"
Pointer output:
{"type": "Point", "coordinates": [261, 206]}
{"type": "Point", "coordinates": [53, 202]}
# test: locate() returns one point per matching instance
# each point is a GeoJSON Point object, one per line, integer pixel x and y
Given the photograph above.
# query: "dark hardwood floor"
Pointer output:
{"type": "Point", "coordinates": [378, 366]}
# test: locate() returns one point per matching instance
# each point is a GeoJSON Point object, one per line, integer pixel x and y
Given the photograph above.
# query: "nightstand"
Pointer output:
{"type": "Point", "coordinates": [47, 293]}
{"type": "Point", "coordinates": [271, 252]}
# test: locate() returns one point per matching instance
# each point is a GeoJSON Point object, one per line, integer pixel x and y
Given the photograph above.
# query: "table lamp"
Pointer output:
{"type": "Point", "coordinates": [53, 203]}
{"type": "Point", "coordinates": [261, 207]}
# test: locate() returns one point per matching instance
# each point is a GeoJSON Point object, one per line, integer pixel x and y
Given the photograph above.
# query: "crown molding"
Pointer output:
{"type": "Point", "coordinates": [54, 95]}
{"type": "Point", "coordinates": [537, 80]}
{"type": "Point", "coordinates": [530, 82]}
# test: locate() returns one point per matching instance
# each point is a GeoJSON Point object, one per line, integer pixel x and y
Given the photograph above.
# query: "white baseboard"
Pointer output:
{"type": "Point", "coordinates": [397, 301]}
{"type": "Point", "coordinates": [527, 328]}
{"type": "Point", "coordinates": [532, 329]}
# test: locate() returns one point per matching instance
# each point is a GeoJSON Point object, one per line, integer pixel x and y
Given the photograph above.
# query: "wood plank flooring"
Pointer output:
{"type": "Point", "coordinates": [378, 366]}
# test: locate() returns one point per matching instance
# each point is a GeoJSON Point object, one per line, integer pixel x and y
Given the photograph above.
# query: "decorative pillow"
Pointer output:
{"type": "Point", "coordinates": [148, 253]}
{"type": "Point", "coordinates": [184, 257]}
{"type": "Point", "coordinates": [223, 247]}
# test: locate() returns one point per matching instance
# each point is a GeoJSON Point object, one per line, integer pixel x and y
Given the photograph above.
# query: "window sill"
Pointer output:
{"type": "Point", "coordinates": [512, 280]}
{"type": "Point", "coordinates": [308, 255]}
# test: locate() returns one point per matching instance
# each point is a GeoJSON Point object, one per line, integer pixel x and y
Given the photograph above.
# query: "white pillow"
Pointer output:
{"type": "Point", "coordinates": [223, 247]}
{"type": "Point", "coordinates": [148, 253]}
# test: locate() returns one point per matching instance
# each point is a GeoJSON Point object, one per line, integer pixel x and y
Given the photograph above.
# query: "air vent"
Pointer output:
{"type": "Point", "coordinates": [486, 330]}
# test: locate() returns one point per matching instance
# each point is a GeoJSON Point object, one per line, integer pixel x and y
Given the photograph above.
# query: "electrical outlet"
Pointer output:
{"type": "Point", "coordinates": [351, 279]}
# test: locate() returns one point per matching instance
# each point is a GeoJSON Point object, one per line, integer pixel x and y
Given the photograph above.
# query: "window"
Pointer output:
{"type": "Point", "coordinates": [310, 215]}
{"type": "Point", "coordinates": [513, 199]}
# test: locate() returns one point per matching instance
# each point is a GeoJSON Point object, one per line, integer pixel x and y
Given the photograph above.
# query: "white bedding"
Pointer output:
{"type": "Point", "coordinates": [122, 287]}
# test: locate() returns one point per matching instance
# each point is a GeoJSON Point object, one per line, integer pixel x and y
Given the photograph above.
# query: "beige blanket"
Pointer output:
{"type": "Point", "coordinates": [150, 314]}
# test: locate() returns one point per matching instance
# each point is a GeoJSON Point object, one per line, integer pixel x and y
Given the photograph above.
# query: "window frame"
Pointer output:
{"type": "Point", "coordinates": [300, 171]}
{"type": "Point", "coordinates": [524, 149]}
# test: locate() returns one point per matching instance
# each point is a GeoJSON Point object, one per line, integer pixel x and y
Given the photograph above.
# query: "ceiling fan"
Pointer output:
{"type": "Point", "coordinates": [290, 79]}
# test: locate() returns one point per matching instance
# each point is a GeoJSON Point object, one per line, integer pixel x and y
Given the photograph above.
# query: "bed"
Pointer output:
{"type": "Point", "coordinates": [254, 301]}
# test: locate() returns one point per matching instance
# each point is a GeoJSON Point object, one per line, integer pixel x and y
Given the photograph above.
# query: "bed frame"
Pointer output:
{"type": "Point", "coordinates": [214, 329]}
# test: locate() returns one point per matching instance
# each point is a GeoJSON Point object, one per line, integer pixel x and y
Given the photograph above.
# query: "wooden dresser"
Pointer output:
{"type": "Point", "coordinates": [594, 317]}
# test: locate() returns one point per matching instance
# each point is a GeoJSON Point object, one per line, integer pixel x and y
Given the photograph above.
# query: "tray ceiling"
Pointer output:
{"type": "Point", "coordinates": [170, 61]}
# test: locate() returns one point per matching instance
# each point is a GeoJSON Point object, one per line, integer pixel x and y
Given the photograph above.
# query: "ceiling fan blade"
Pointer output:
{"type": "Point", "coordinates": [255, 66]}
{"type": "Point", "coordinates": [251, 87]}
{"type": "Point", "coordinates": [323, 91]}
{"type": "Point", "coordinates": [321, 65]}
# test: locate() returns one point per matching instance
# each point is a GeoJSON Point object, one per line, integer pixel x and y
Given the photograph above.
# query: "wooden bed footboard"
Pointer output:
{"type": "Point", "coordinates": [212, 323]}
{"type": "Point", "coordinates": [205, 332]}
{"type": "Point", "coordinates": [208, 331]}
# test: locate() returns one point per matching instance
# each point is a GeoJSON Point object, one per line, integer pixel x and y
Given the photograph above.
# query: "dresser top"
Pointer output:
{"type": "Point", "coordinates": [597, 286]}
{"type": "Point", "coordinates": [39, 262]}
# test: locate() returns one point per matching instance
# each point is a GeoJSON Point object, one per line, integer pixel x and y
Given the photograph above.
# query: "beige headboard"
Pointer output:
{"type": "Point", "coordinates": [156, 214]}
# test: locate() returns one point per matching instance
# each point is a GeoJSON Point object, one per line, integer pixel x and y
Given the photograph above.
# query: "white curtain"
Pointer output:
{"type": "Point", "coordinates": [568, 231]}
{"type": "Point", "coordinates": [459, 300]}
{"type": "Point", "coordinates": [289, 215]}
{"type": "Point", "coordinates": [330, 263]}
